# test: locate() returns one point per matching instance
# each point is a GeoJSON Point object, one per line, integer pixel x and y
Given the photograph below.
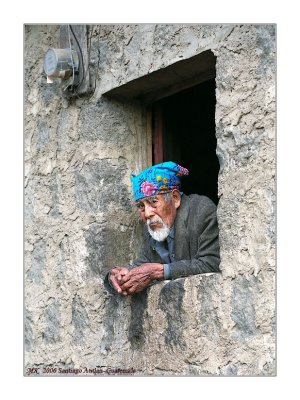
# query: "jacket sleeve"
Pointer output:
{"type": "Point", "coordinates": [207, 257]}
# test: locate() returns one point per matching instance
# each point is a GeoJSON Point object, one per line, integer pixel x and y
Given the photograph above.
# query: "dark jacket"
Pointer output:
{"type": "Point", "coordinates": [196, 239]}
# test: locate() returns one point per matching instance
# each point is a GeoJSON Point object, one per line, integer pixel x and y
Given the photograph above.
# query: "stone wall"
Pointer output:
{"type": "Point", "coordinates": [79, 219]}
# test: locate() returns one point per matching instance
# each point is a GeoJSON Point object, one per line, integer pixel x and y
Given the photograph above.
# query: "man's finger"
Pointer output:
{"type": "Point", "coordinates": [126, 285]}
{"type": "Point", "coordinates": [123, 278]}
{"type": "Point", "coordinates": [115, 283]}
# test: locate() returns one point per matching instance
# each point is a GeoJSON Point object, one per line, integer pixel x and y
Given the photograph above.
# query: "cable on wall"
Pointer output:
{"type": "Point", "coordinates": [81, 56]}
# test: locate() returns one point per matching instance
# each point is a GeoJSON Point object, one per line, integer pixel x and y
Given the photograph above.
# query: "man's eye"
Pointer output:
{"type": "Point", "coordinates": [140, 206]}
{"type": "Point", "coordinates": [153, 201]}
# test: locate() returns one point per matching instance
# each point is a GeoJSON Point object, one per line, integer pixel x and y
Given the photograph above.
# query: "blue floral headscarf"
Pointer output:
{"type": "Point", "coordinates": [160, 178]}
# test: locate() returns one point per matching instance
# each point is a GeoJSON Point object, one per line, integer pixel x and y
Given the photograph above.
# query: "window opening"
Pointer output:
{"type": "Point", "coordinates": [184, 132]}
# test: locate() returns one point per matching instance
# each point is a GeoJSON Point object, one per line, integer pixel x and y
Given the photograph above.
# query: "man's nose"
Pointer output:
{"type": "Point", "coordinates": [148, 211]}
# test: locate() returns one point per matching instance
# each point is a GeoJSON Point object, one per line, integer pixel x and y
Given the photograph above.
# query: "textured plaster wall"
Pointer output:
{"type": "Point", "coordinates": [79, 221]}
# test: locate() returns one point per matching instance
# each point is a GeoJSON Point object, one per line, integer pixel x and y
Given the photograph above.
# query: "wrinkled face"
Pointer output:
{"type": "Point", "coordinates": [157, 212]}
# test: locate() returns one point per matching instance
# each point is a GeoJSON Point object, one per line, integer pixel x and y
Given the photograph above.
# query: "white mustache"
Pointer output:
{"type": "Point", "coordinates": [155, 220]}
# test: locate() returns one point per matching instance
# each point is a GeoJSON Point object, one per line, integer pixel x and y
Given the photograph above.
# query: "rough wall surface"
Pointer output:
{"type": "Point", "coordinates": [79, 219]}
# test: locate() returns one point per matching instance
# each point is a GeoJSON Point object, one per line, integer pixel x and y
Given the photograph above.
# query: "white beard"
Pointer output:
{"type": "Point", "coordinates": [160, 234]}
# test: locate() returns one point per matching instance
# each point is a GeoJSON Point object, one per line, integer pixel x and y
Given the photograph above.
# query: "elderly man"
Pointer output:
{"type": "Point", "coordinates": [181, 232]}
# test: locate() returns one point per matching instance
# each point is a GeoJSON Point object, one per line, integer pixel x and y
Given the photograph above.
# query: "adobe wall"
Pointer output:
{"type": "Point", "coordinates": [80, 222]}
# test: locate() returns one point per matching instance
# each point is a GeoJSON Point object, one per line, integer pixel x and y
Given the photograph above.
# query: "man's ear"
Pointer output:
{"type": "Point", "coordinates": [176, 198]}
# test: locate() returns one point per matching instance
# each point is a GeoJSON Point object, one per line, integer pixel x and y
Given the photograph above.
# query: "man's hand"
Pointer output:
{"type": "Point", "coordinates": [116, 276]}
{"type": "Point", "coordinates": [140, 277]}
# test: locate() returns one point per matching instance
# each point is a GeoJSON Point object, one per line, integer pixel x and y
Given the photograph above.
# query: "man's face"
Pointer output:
{"type": "Point", "coordinates": [157, 212]}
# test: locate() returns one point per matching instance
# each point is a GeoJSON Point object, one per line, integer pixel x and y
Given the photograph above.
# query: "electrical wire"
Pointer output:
{"type": "Point", "coordinates": [83, 70]}
{"type": "Point", "coordinates": [73, 88]}
{"type": "Point", "coordinates": [73, 69]}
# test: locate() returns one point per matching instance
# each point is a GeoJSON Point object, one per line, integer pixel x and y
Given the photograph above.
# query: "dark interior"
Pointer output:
{"type": "Point", "coordinates": [188, 126]}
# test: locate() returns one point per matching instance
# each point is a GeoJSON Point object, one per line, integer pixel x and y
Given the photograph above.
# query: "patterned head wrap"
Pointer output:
{"type": "Point", "coordinates": [160, 178]}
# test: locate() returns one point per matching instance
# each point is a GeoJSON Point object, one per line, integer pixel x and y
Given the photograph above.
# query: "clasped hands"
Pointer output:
{"type": "Point", "coordinates": [127, 282]}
